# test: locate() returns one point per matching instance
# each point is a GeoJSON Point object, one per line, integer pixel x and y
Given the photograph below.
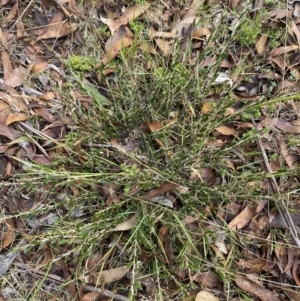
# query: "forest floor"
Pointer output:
{"type": "Point", "coordinates": [149, 150]}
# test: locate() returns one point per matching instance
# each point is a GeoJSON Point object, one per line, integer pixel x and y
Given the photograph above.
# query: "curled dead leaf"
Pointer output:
{"type": "Point", "coordinates": [206, 296]}
{"type": "Point", "coordinates": [15, 117]}
{"type": "Point", "coordinates": [164, 46]}
{"type": "Point", "coordinates": [159, 191]}
{"type": "Point", "coordinates": [116, 48]}
{"type": "Point", "coordinates": [154, 126]}
{"type": "Point", "coordinates": [112, 275]}
{"type": "Point", "coordinates": [286, 126]}
{"type": "Point", "coordinates": [200, 33]}
{"type": "Point", "coordinates": [124, 226]}
{"type": "Point", "coordinates": [208, 279]}
{"type": "Point", "coordinates": [290, 159]}
{"type": "Point", "coordinates": [283, 50]}
{"type": "Point", "coordinates": [254, 265]}
{"type": "Point", "coordinates": [225, 130]}
{"type": "Point", "coordinates": [7, 233]}
{"type": "Point", "coordinates": [58, 30]}
{"type": "Point", "coordinates": [46, 256]}
{"type": "Point", "coordinates": [242, 219]}
{"type": "Point", "coordinates": [39, 67]}
{"type": "Point", "coordinates": [260, 45]}
{"type": "Point", "coordinates": [130, 14]}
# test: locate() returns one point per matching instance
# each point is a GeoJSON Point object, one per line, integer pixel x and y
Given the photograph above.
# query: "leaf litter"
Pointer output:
{"type": "Point", "coordinates": [43, 102]}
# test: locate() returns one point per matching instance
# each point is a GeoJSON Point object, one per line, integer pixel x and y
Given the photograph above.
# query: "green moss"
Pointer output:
{"type": "Point", "coordinates": [248, 33]}
{"type": "Point", "coordinates": [81, 63]}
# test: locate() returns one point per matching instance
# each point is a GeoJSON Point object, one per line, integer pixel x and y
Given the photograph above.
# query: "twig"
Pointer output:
{"type": "Point", "coordinates": [60, 280]}
{"type": "Point", "coordinates": [22, 14]}
{"type": "Point", "coordinates": [275, 189]}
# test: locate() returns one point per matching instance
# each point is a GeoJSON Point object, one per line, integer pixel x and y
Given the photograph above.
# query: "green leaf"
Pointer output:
{"type": "Point", "coordinates": [96, 96]}
{"type": "Point", "coordinates": [19, 140]}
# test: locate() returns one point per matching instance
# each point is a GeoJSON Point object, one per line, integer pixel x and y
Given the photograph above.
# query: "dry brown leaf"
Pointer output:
{"type": "Point", "coordinates": [39, 67]}
{"type": "Point", "coordinates": [255, 289]}
{"type": "Point", "coordinates": [12, 13]}
{"type": "Point", "coordinates": [254, 265]}
{"type": "Point", "coordinates": [278, 60]}
{"type": "Point", "coordinates": [206, 108]}
{"type": "Point", "coordinates": [130, 14]}
{"type": "Point", "coordinates": [112, 275]}
{"type": "Point", "coordinates": [8, 132]}
{"type": "Point", "coordinates": [3, 40]}
{"type": "Point", "coordinates": [44, 113]}
{"type": "Point", "coordinates": [91, 297]}
{"type": "Point", "coordinates": [283, 50]}
{"type": "Point", "coordinates": [230, 165]}
{"type": "Point", "coordinates": [58, 31]}
{"type": "Point", "coordinates": [15, 117]}
{"type": "Point", "coordinates": [208, 279]}
{"type": "Point", "coordinates": [127, 225]}
{"type": "Point", "coordinates": [41, 159]}
{"type": "Point", "coordinates": [206, 296]}
{"type": "Point", "coordinates": [181, 27]}
{"type": "Point", "coordinates": [279, 13]}
{"type": "Point", "coordinates": [285, 126]}
{"type": "Point", "coordinates": [193, 9]}
{"type": "Point", "coordinates": [20, 29]}
{"type": "Point", "coordinates": [206, 175]}
{"type": "Point", "coordinates": [295, 269]}
{"type": "Point", "coordinates": [284, 87]}
{"type": "Point", "coordinates": [260, 44]}
{"type": "Point", "coordinates": [292, 253]}
{"type": "Point", "coordinates": [200, 33]}
{"type": "Point", "coordinates": [8, 170]}
{"type": "Point", "coordinates": [4, 2]}
{"type": "Point", "coordinates": [159, 191]}
{"type": "Point", "coordinates": [12, 78]}
{"type": "Point", "coordinates": [121, 33]}
{"type": "Point", "coordinates": [154, 126]}
{"type": "Point", "coordinates": [116, 48]}
{"type": "Point", "coordinates": [72, 290]}
{"type": "Point", "coordinates": [225, 130]}
{"type": "Point", "coordinates": [8, 234]}
{"type": "Point", "coordinates": [243, 218]}
{"type": "Point", "coordinates": [293, 295]}
{"type": "Point", "coordinates": [4, 111]}
{"type": "Point", "coordinates": [17, 77]}
{"type": "Point", "coordinates": [164, 46]}
{"type": "Point", "coordinates": [7, 65]}
{"type": "Point", "coordinates": [290, 159]}
{"type": "Point", "coordinates": [76, 10]}
{"type": "Point", "coordinates": [133, 12]}
{"type": "Point", "coordinates": [296, 32]}
{"type": "Point", "coordinates": [47, 256]}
